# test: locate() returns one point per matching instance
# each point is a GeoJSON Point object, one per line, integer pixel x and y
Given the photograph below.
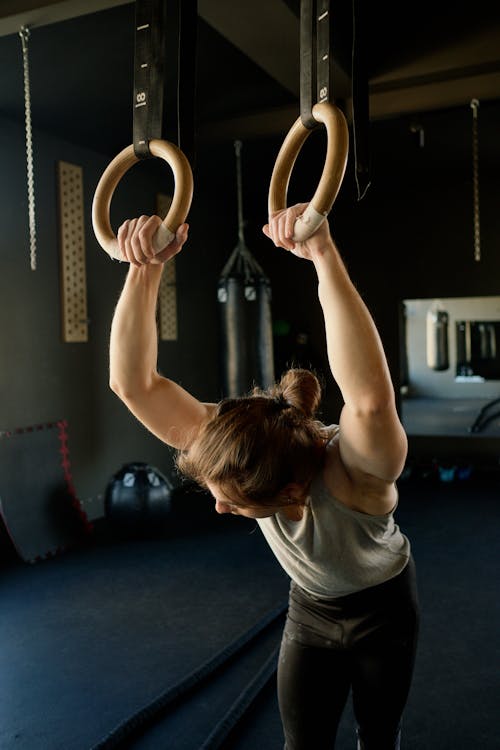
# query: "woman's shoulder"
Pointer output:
{"type": "Point", "coordinates": [362, 498]}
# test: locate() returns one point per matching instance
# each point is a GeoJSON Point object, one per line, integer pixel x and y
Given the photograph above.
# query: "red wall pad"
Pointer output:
{"type": "Point", "coordinates": [38, 504]}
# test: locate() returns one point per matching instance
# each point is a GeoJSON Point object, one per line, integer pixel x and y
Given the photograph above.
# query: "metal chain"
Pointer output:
{"type": "Point", "coordinates": [475, 177]}
{"type": "Point", "coordinates": [24, 34]}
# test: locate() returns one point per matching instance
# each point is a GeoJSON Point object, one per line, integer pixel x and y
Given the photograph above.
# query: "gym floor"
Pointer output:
{"type": "Point", "coordinates": [94, 636]}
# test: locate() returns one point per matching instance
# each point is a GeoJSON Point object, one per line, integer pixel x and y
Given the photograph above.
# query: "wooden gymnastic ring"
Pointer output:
{"type": "Point", "coordinates": [181, 202]}
{"type": "Point", "coordinates": [333, 172]}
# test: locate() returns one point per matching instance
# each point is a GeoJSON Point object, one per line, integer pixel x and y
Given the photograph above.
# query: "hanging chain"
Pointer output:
{"type": "Point", "coordinates": [475, 176]}
{"type": "Point", "coordinates": [24, 34]}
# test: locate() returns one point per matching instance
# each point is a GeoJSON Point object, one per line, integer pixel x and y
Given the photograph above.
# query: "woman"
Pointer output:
{"type": "Point", "coordinates": [323, 497]}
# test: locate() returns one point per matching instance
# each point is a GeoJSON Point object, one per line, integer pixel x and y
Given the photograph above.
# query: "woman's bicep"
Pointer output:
{"type": "Point", "coordinates": [168, 411]}
{"type": "Point", "coordinates": [372, 443]}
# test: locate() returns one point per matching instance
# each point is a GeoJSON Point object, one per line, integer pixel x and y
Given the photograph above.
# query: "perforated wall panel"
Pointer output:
{"type": "Point", "coordinates": [72, 253]}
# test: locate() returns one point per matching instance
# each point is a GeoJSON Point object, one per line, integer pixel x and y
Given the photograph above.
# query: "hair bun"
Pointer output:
{"type": "Point", "coordinates": [301, 389]}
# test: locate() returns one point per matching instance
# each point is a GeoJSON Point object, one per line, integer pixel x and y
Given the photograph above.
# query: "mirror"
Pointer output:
{"type": "Point", "coordinates": [450, 363]}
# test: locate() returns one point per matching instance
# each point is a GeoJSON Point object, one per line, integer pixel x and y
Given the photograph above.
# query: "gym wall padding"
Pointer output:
{"type": "Point", "coordinates": [38, 504]}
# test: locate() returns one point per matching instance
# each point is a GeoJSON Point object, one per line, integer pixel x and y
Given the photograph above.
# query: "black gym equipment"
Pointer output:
{"type": "Point", "coordinates": [244, 295]}
{"type": "Point", "coordinates": [486, 415]}
{"type": "Point", "coordinates": [154, 711]}
{"type": "Point", "coordinates": [437, 347]}
{"type": "Point", "coordinates": [138, 498]}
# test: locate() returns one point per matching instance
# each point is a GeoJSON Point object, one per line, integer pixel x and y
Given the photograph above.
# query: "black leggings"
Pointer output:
{"type": "Point", "coordinates": [365, 642]}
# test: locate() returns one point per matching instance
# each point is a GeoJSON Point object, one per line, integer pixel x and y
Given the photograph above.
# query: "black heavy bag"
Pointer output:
{"type": "Point", "coordinates": [437, 340]}
{"type": "Point", "coordinates": [265, 334]}
{"type": "Point", "coordinates": [244, 295]}
{"type": "Point", "coordinates": [246, 332]}
{"type": "Point", "coordinates": [138, 497]}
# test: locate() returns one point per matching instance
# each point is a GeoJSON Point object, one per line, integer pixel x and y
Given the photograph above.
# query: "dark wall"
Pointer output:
{"type": "Point", "coordinates": [411, 236]}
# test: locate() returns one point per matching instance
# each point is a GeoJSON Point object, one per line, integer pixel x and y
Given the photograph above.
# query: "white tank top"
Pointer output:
{"type": "Point", "coordinates": [334, 550]}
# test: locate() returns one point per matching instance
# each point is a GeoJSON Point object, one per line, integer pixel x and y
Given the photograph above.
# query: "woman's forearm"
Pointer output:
{"type": "Point", "coordinates": [355, 351]}
{"type": "Point", "coordinates": [133, 347]}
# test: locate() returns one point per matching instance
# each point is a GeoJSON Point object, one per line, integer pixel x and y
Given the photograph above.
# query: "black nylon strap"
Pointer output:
{"type": "Point", "coordinates": [186, 91]}
{"type": "Point", "coordinates": [172, 71]}
{"type": "Point", "coordinates": [149, 57]}
{"type": "Point", "coordinates": [316, 64]}
{"type": "Point", "coordinates": [324, 75]}
{"type": "Point", "coordinates": [165, 74]}
{"type": "Point", "coordinates": [316, 76]}
{"type": "Point", "coordinates": [307, 68]}
{"type": "Point", "coordinates": [360, 101]}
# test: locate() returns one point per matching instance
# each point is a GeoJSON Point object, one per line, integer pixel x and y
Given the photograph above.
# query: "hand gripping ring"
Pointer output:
{"type": "Point", "coordinates": [181, 202]}
{"type": "Point", "coordinates": [333, 171]}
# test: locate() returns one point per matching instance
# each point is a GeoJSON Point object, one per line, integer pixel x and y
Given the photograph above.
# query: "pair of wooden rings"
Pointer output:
{"type": "Point", "coordinates": [318, 208]}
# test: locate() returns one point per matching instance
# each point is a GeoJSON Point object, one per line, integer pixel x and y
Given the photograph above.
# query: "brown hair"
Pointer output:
{"type": "Point", "coordinates": [257, 444]}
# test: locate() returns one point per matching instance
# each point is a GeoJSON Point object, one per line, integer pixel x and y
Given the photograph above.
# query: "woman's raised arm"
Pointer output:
{"type": "Point", "coordinates": [372, 441]}
{"type": "Point", "coordinates": [165, 408]}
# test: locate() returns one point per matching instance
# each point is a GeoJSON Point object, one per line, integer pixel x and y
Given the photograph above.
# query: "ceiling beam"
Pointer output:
{"type": "Point", "coordinates": [478, 48]}
{"type": "Point", "coordinates": [254, 124]}
{"type": "Point", "coordinates": [385, 101]}
{"type": "Point", "coordinates": [268, 33]}
{"type": "Point", "coordinates": [448, 76]}
{"type": "Point", "coordinates": [442, 94]}
{"type": "Point", "coordinates": [34, 13]}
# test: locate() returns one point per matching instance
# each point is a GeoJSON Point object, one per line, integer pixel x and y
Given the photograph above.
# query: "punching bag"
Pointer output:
{"type": "Point", "coordinates": [437, 340]}
{"type": "Point", "coordinates": [244, 296]}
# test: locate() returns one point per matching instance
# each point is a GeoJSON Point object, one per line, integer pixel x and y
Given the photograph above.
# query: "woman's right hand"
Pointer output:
{"type": "Point", "coordinates": [135, 241]}
{"type": "Point", "coordinates": [281, 227]}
